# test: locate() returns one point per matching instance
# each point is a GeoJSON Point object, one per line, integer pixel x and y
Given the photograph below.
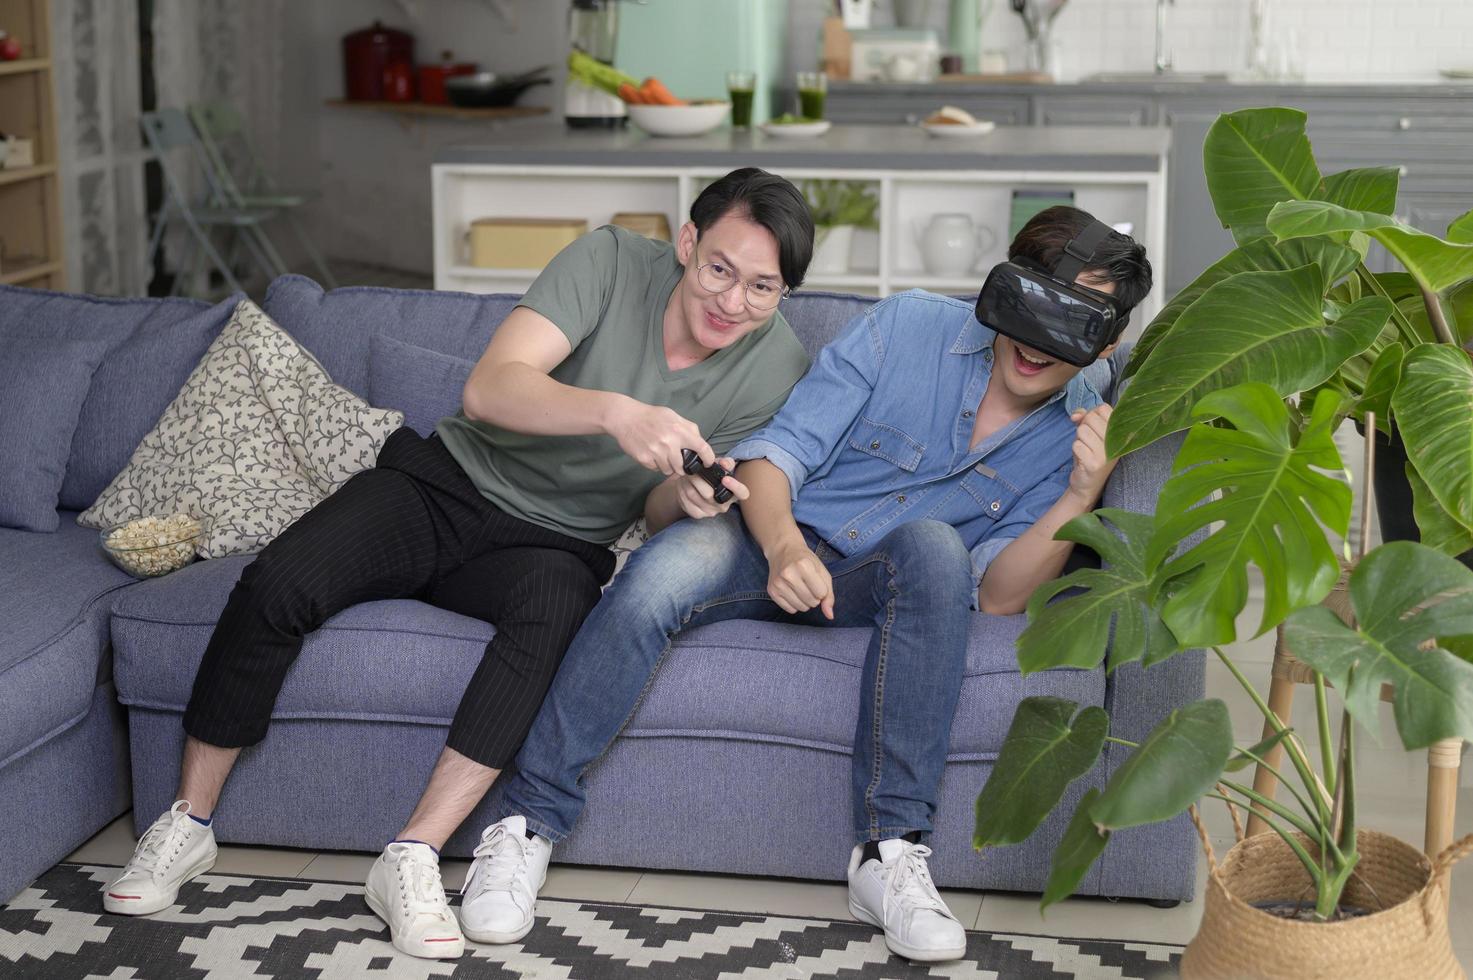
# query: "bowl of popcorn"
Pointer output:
{"type": "Point", "coordinates": [152, 546]}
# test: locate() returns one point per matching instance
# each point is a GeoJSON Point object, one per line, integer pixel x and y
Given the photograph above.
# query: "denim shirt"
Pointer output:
{"type": "Point", "coordinates": [879, 432]}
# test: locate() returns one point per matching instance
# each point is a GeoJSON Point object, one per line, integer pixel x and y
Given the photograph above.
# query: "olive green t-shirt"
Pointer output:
{"type": "Point", "coordinates": [607, 292]}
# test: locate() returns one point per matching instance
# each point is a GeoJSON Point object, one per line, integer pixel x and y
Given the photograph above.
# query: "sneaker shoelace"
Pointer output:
{"type": "Point", "coordinates": [911, 879]}
{"type": "Point", "coordinates": [163, 837]}
{"type": "Point", "coordinates": [500, 859]}
{"type": "Point", "coordinates": [419, 883]}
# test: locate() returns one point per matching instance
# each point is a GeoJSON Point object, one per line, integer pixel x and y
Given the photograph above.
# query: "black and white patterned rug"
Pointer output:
{"type": "Point", "coordinates": [227, 926]}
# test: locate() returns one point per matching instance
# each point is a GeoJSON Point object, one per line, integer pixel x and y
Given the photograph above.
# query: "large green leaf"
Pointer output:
{"type": "Point", "coordinates": [1363, 189]}
{"type": "Point", "coordinates": [1262, 255]}
{"type": "Point", "coordinates": [1461, 229]}
{"type": "Point", "coordinates": [1043, 753]}
{"type": "Point", "coordinates": [1434, 413]}
{"type": "Point", "coordinates": [1439, 530]}
{"type": "Point", "coordinates": [1080, 846]}
{"type": "Point", "coordinates": [1255, 326]}
{"type": "Point", "coordinates": [1433, 262]}
{"type": "Point", "coordinates": [1181, 759]}
{"type": "Point", "coordinates": [1381, 383]}
{"type": "Point", "coordinates": [1457, 304]}
{"type": "Point", "coordinates": [1406, 598]}
{"type": "Point", "coordinates": [1273, 492]}
{"type": "Point", "coordinates": [1253, 159]}
{"type": "Point", "coordinates": [1076, 630]}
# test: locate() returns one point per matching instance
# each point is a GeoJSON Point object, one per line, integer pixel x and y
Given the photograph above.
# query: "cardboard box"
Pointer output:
{"type": "Point", "coordinates": [838, 48]}
{"type": "Point", "coordinates": [521, 243]}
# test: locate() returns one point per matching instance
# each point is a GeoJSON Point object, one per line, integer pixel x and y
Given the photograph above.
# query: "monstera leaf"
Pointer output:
{"type": "Point", "coordinates": [1461, 229]}
{"type": "Point", "coordinates": [1268, 327]}
{"type": "Point", "coordinates": [1438, 529]}
{"type": "Point", "coordinates": [1080, 847]}
{"type": "Point", "coordinates": [1076, 631]}
{"type": "Point", "coordinates": [1381, 384]}
{"type": "Point", "coordinates": [1262, 255]}
{"type": "Point", "coordinates": [1434, 263]}
{"type": "Point", "coordinates": [1274, 496]}
{"type": "Point", "coordinates": [1043, 753]}
{"type": "Point", "coordinates": [1181, 759]}
{"type": "Point", "coordinates": [1363, 189]}
{"type": "Point", "coordinates": [1253, 159]}
{"type": "Point", "coordinates": [1433, 405]}
{"type": "Point", "coordinates": [1407, 598]}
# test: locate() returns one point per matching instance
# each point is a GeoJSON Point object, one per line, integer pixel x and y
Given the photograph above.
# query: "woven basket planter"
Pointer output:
{"type": "Point", "coordinates": [1406, 937]}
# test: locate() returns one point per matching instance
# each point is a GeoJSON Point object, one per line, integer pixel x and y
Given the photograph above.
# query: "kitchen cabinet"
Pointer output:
{"type": "Point", "coordinates": [1424, 130]}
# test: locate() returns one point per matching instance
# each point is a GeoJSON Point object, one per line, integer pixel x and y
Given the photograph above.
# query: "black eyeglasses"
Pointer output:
{"type": "Point", "coordinates": [718, 277]}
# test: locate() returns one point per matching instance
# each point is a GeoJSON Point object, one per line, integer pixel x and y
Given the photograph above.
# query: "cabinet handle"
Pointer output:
{"type": "Point", "coordinates": [911, 118]}
{"type": "Point", "coordinates": [1405, 122]}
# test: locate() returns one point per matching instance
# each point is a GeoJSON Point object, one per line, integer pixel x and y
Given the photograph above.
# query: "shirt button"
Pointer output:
{"type": "Point", "coordinates": [967, 414]}
{"type": "Point", "coordinates": [996, 504]}
{"type": "Point", "coordinates": [853, 534]}
{"type": "Point", "coordinates": [875, 444]}
{"type": "Point", "coordinates": [901, 498]}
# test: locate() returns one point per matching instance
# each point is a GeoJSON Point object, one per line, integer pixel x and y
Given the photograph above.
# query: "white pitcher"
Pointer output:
{"type": "Point", "coordinates": [951, 243]}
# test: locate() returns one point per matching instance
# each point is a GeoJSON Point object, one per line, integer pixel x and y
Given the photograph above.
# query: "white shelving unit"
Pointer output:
{"type": "Point", "coordinates": [882, 263]}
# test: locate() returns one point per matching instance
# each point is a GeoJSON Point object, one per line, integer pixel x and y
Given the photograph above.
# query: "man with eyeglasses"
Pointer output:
{"type": "Point", "coordinates": [622, 354]}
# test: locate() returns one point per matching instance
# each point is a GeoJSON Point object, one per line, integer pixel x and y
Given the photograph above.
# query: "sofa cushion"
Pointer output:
{"type": "Point", "coordinates": [402, 660]}
{"type": "Point", "coordinates": [817, 317]}
{"type": "Point", "coordinates": [152, 345]}
{"type": "Point", "coordinates": [55, 593]}
{"type": "Point", "coordinates": [257, 436]}
{"type": "Point", "coordinates": [43, 384]}
{"type": "Point", "coordinates": [337, 326]}
{"type": "Point", "coordinates": [424, 384]}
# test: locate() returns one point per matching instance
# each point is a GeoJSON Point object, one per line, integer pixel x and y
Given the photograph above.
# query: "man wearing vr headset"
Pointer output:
{"type": "Point", "coordinates": [918, 472]}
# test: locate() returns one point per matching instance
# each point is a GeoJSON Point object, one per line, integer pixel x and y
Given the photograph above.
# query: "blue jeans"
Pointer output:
{"type": "Point", "coordinates": [914, 589]}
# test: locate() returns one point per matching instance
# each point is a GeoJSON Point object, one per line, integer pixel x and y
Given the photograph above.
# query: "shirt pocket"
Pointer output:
{"type": "Point", "coordinates": [992, 493]}
{"type": "Point", "coordinates": [884, 455]}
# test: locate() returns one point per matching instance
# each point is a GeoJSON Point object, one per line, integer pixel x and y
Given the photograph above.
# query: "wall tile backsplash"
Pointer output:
{"type": "Point", "coordinates": [1329, 40]}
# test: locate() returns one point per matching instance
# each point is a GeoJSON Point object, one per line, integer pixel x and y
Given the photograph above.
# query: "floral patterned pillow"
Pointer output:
{"type": "Point", "coordinates": [258, 435]}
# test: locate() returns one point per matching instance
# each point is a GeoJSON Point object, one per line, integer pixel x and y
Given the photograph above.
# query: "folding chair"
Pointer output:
{"type": "Point", "coordinates": [242, 181]}
{"type": "Point", "coordinates": [168, 131]}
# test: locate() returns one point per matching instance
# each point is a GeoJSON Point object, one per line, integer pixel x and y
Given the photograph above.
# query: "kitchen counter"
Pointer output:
{"type": "Point", "coordinates": [1144, 83]}
{"type": "Point", "coordinates": [901, 148]}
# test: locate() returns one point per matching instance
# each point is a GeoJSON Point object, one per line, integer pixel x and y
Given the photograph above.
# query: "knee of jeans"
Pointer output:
{"type": "Point", "coordinates": [932, 550]}
{"type": "Point", "coordinates": [677, 568]}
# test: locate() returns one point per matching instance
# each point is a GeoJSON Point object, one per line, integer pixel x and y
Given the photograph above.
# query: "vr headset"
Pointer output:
{"type": "Point", "coordinates": [1047, 310]}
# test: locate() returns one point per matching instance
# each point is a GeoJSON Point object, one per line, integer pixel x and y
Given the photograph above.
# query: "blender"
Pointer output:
{"type": "Point", "coordinates": [593, 27]}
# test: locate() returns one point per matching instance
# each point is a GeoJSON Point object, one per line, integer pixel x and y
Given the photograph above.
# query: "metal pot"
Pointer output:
{"type": "Point", "coordinates": [486, 88]}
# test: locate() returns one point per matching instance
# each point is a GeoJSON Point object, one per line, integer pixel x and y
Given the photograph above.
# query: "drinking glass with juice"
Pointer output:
{"type": "Point", "coordinates": [812, 87]}
{"type": "Point", "coordinates": [741, 85]}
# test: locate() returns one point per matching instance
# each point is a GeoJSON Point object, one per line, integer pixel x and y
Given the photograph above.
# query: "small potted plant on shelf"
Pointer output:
{"type": "Point", "coordinates": [839, 207]}
{"type": "Point", "coordinates": [1260, 360]}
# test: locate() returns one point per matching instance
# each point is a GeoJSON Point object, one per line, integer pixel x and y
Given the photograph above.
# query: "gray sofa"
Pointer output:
{"type": "Point", "coordinates": [725, 768]}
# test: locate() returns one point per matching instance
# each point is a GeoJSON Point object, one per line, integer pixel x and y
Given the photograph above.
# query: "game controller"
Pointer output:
{"type": "Point", "coordinates": [712, 474]}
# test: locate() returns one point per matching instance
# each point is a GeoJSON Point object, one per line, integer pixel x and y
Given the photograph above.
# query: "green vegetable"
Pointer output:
{"type": "Point", "coordinates": [593, 72]}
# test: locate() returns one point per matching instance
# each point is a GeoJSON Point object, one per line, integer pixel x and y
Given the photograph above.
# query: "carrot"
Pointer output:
{"type": "Point", "coordinates": [630, 94]}
{"type": "Point", "coordinates": [656, 93]}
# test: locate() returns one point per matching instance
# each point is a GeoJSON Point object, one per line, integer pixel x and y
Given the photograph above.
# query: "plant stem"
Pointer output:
{"type": "Point", "coordinates": [1305, 827]}
{"type": "Point", "coordinates": [1291, 743]}
{"type": "Point", "coordinates": [1123, 741]}
{"type": "Point", "coordinates": [1315, 871]}
{"type": "Point", "coordinates": [1408, 332]}
{"type": "Point", "coordinates": [1309, 809]}
{"type": "Point", "coordinates": [1438, 317]}
{"type": "Point", "coordinates": [1322, 712]}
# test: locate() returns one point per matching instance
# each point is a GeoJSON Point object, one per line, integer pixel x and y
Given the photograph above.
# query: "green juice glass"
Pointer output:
{"type": "Point", "coordinates": [741, 86]}
{"type": "Point", "coordinates": [813, 86]}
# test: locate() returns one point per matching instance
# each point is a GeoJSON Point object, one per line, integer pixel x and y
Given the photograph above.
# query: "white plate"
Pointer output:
{"type": "Point", "coordinates": [797, 129]}
{"type": "Point", "coordinates": [982, 127]}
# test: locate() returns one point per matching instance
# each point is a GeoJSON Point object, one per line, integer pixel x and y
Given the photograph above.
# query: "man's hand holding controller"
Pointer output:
{"type": "Point", "coordinates": [659, 438]}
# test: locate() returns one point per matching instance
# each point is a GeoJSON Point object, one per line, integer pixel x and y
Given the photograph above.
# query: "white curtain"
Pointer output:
{"type": "Point", "coordinates": [105, 228]}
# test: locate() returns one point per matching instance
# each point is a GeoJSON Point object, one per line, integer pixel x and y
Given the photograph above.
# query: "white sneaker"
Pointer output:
{"type": "Point", "coordinates": [897, 895]}
{"type": "Point", "coordinates": [501, 889]}
{"type": "Point", "coordinates": [172, 851]}
{"type": "Point", "coordinates": [404, 890]}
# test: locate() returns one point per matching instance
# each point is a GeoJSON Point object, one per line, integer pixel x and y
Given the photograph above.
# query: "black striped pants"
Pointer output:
{"type": "Point", "coordinates": [413, 527]}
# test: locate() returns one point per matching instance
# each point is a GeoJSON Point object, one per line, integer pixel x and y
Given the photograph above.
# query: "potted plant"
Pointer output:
{"type": "Point", "coordinates": [839, 207]}
{"type": "Point", "coordinates": [1260, 360]}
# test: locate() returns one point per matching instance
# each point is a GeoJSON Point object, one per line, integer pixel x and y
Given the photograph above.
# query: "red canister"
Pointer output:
{"type": "Point", "coordinates": [367, 53]}
{"type": "Point", "coordinates": [432, 77]}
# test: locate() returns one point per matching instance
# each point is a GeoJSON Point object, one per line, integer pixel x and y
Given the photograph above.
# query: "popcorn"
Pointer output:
{"type": "Point", "coordinates": [151, 546]}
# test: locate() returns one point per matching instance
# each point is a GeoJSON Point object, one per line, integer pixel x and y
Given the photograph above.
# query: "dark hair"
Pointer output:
{"type": "Point", "coordinates": [770, 201]}
{"type": "Point", "coordinates": [1119, 258]}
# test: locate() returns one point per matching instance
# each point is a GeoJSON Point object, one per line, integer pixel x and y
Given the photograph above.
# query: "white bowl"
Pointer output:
{"type": "Point", "coordinates": [959, 130]}
{"type": "Point", "coordinates": [679, 120]}
{"type": "Point", "coordinates": [781, 130]}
